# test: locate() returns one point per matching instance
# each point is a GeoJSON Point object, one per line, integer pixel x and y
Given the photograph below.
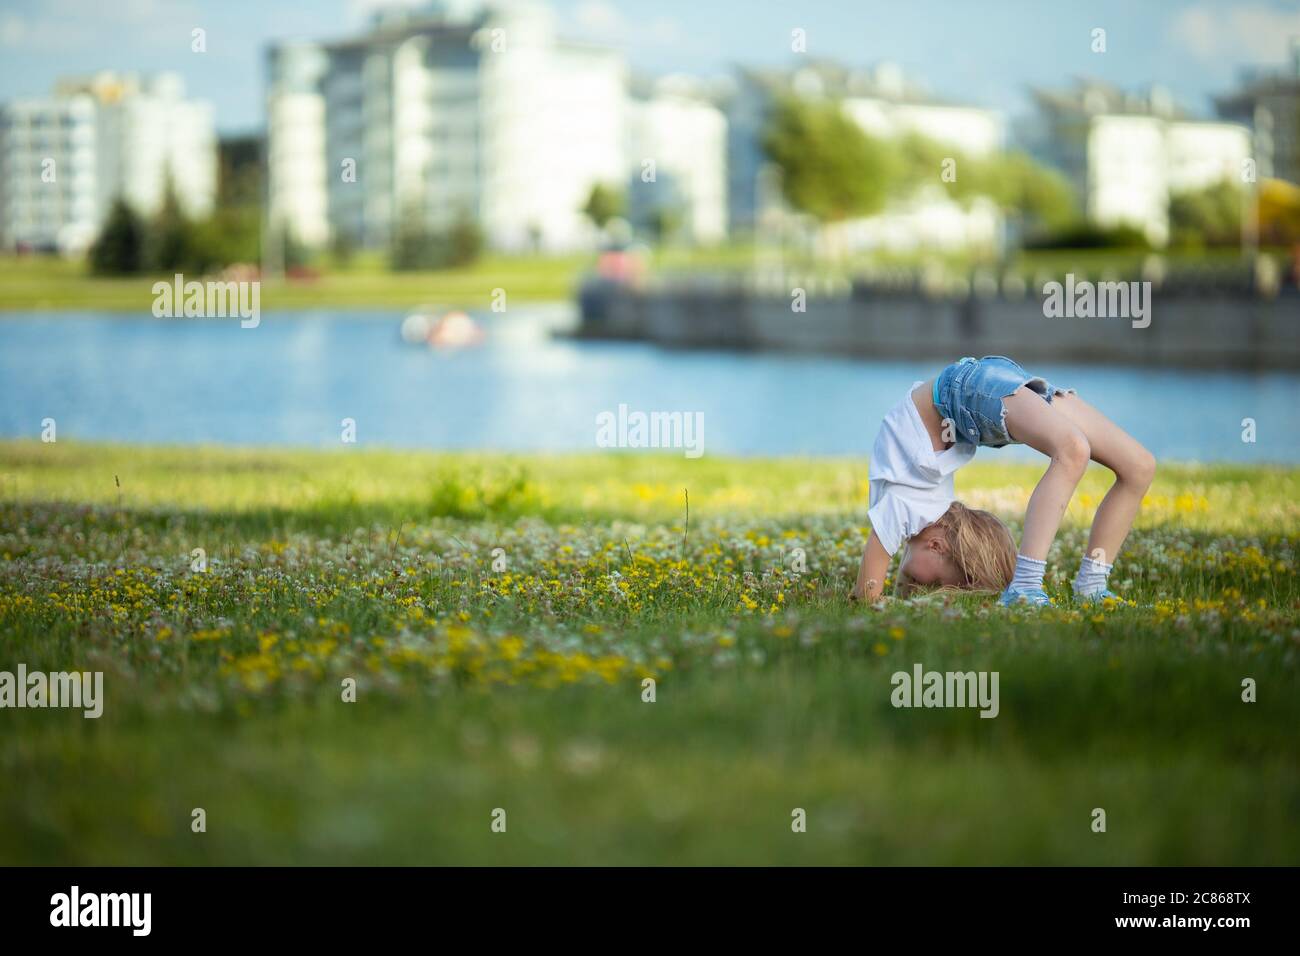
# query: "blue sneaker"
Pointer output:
{"type": "Point", "coordinates": [1101, 597]}
{"type": "Point", "coordinates": [1033, 597]}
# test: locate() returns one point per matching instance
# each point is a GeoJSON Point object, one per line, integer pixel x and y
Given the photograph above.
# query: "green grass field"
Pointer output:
{"type": "Point", "coordinates": [519, 686]}
{"type": "Point", "coordinates": [48, 283]}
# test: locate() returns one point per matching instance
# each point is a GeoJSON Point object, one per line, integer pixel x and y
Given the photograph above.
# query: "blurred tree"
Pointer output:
{"type": "Point", "coordinates": [169, 246]}
{"type": "Point", "coordinates": [921, 159]}
{"type": "Point", "coordinates": [343, 247]}
{"type": "Point", "coordinates": [413, 244]}
{"type": "Point", "coordinates": [297, 254]}
{"type": "Point", "coordinates": [119, 249]}
{"type": "Point", "coordinates": [831, 169]}
{"type": "Point", "coordinates": [417, 247]}
{"type": "Point", "coordinates": [1086, 235]}
{"type": "Point", "coordinates": [239, 171]}
{"type": "Point", "coordinates": [464, 240]}
{"type": "Point", "coordinates": [1279, 212]}
{"type": "Point", "coordinates": [229, 235]}
{"type": "Point", "coordinates": [664, 222]}
{"type": "Point", "coordinates": [1206, 217]}
{"type": "Point", "coordinates": [603, 204]}
{"type": "Point", "coordinates": [1041, 198]}
{"type": "Point", "coordinates": [233, 232]}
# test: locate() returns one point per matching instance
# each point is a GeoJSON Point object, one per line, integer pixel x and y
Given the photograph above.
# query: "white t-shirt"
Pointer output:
{"type": "Point", "coordinates": [911, 483]}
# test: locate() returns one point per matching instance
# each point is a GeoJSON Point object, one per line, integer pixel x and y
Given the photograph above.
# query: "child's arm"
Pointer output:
{"type": "Point", "coordinates": [871, 575]}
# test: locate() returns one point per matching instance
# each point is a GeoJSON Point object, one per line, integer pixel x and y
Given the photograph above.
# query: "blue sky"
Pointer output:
{"type": "Point", "coordinates": [981, 51]}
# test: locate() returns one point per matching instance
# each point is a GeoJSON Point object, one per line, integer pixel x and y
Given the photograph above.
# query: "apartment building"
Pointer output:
{"type": "Point", "coordinates": [67, 156]}
{"type": "Point", "coordinates": [1127, 153]}
{"type": "Point", "coordinates": [440, 112]}
{"type": "Point", "coordinates": [677, 159]}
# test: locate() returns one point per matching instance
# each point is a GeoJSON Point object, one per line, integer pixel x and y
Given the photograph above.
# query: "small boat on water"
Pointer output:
{"type": "Point", "coordinates": [451, 330]}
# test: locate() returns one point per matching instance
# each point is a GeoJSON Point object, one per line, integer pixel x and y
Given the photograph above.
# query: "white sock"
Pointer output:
{"type": "Point", "coordinates": [1029, 574]}
{"type": "Point", "coordinates": [1091, 579]}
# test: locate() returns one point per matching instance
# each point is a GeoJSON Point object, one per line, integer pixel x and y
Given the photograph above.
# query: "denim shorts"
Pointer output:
{"type": "Point", "coordinates": [970, 393]}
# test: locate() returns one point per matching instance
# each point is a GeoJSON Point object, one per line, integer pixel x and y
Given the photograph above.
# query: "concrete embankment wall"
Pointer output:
{"type": "Point", "coordinates": [1195, 327]}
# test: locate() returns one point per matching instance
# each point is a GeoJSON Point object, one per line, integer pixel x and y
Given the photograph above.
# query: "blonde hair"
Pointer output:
{"type": "Point", "coordinates": [980, 546]}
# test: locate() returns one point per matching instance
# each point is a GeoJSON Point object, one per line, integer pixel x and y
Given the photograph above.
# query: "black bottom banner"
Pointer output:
{"type": "Point", "coordinates": [338, 905]}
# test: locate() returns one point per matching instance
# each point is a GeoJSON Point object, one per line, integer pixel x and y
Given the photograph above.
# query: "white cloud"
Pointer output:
{"type": "Point", "coordinates": [1251, 33]}
{"type": "Point", "coordinates": [62, 26]}
{"type": "Point", "coordinates": [599, 18]}
{"type": "Point", "coordinates": [666, 31]}
{"type": "Point", "coordinates": [12, 30]}
{"type": "Point", "coordinates": [44, 34]}
{"type": "Point", "coordinates": [602, 22]}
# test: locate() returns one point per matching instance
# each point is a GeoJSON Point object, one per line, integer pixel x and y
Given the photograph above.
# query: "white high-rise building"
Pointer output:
{"type": "Point", "coordinates": [1127, 154]}
{"type": "Point", "coordinates": [49, 177]}
{"type": "Point", "coordinates": [677, 147]}
{"type": "Point", "coordinates": [68, 156]}
{"type": "Point", "coordinates": [884, 104]}
{"type": "Point", "coordinates": [295, 149]}
{"type": "Point", "coordinates": [452, 110]}
{"type": "Point", "coordinates": [1268, 101]}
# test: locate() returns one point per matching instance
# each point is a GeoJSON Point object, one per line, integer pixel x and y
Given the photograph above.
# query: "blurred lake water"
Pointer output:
{"type": "Point", "coordinates": [295, 377]}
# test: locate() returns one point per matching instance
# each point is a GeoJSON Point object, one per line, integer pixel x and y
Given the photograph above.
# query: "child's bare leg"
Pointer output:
{"type": "Point", "coordinates": [1045, 428]}
{"type": "Point", "coordinates": [1134, 468]}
